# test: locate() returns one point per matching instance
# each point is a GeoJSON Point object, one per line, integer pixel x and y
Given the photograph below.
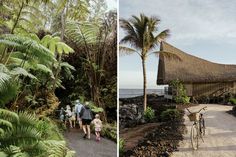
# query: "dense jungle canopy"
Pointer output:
{"type": "Point", "coordinates": [53, 52]}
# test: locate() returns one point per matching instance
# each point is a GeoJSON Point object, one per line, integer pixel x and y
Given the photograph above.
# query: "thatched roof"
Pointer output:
{"type": "Point", "coordinates": [191, 69]}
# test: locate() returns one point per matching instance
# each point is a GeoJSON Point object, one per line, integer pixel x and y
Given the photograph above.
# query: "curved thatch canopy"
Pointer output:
{"type": "Point", "coordinates": [191, 69]}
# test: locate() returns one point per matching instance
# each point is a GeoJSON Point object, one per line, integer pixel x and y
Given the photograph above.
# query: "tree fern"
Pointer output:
{"type": "Point", "coordinates": [27, 137]}
{"type": "Point", "coordinates": [55, 45]}
{"type": "Point", "coordinates": [8, 92]}
{"type": "Point", "coordinates": [27, 46]}
{"type": "Point", "coordinates": [8, 89]}
{"type": "Point", "coordinates": [82, 33]}
{"type": "Point", "coordinates": [20, 71]}
{"type": "Point", "coordinates": [4, 78]}
{"type": "Point", "coordinates": [57, 149]}
{"type": "Point", "coordinates": [6, 117]}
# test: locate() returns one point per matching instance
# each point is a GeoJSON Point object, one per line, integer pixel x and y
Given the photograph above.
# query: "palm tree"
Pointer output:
{"type": "Point", "coordinates": [143, 37]}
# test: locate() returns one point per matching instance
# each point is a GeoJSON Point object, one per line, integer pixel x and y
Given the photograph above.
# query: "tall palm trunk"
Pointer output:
{"type": "Point", "coordinates": [144, 83]}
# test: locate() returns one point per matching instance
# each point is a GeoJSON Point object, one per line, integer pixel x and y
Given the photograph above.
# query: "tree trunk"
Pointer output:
{"type": "Point", "coordinates": [144, 83]}
{"type": "Point", "coordinates": [12, 30]}
{"type": "Point", "coordinates": [63, 20]}
{"type": "Point", "coordinates": [95, 95]}
{"type": "Point", "coordinates": [17, 18]}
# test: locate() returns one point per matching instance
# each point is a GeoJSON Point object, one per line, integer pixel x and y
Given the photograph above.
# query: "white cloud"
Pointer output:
{"type": "Point", "coordinates": [188, 20]}
{"type": "Point", "coordinates": [204, 28]}
{"type": "Point", "coordinates": [112, 4]}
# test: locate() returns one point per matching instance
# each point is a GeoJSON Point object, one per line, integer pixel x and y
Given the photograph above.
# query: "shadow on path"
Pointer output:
{"type": "Point", "coordinates": [89, 148]}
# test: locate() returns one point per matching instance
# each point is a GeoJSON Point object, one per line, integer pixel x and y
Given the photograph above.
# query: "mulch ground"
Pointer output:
{"type": "Point", "coordinates": [154, 139]}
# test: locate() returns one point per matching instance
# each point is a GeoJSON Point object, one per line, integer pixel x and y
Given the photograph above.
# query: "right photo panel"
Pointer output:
{"type": "Point", "coordinates": [177, 78]}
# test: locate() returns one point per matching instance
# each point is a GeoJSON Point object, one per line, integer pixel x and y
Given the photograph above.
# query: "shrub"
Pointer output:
{"type": "Point", "coordinates": [232, 101]}
{"type": "Point", "coordinates": [121, 146]}
{"type": "Point", "coordinates": [109, 131]}
{"type": "Point", "coordinates": [181, 95]}
{"type": "Point", "coordinates": [149, 114]}
{"type": "Point", "coordinates": [26, 136]}
{"type": "Point", "coordinates": [170, 115]}
{"type": "Point", "coordinates": [234, 109]}
{"type": "Point", "coordinates": [182, 99]}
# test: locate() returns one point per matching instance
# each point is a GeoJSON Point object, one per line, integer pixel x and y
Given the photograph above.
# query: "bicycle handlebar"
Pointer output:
{"type": "Point", "coordinates": [204, 108]}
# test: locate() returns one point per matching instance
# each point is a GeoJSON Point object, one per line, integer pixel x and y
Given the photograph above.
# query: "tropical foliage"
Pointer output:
{"type": "Point", "coordinates": [170, 115]}
{"type": "Point", "coordinates": [26, 135]}
{"type": "Point", "coordinates": [232, 101]}
{"type": "Point", "coordinates": [149, 114]}
{"type": "Point", "coordinates": [52, 51]}
{"type": "Point", "coordinates": [96, 44]}
{"type": "Point", "coordinates": [181, 94]}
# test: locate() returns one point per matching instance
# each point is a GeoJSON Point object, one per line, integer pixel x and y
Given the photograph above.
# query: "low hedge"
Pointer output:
{"type": "Point", "coordinates": [109, 131]}
{"type": "Point", "coordinates": [170, 115]}
{"type": "Point", "coordinates": [232, 101]}
{"type": "Point", "coordinates": [149, 114]}
{"type": "Point", "coordinates": [121, 146]}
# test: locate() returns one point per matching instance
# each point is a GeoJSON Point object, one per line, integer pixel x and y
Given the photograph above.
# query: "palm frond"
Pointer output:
{"type": "Point", "coordinates": [127, 50]}
{"type": "Point", "coordinates": [163, 35]}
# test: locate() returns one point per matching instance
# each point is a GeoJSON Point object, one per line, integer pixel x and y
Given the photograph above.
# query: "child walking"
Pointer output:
{"type": "Point", "coordinates": [98, 126]}
{"type": "Point", "coordinates": [73, 117]}
{"type": "Point", "coordinates": [68, 115]}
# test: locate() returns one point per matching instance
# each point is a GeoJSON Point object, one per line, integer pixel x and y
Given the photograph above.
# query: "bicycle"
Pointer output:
{"type": "Point", "coordinates": [198, 127]}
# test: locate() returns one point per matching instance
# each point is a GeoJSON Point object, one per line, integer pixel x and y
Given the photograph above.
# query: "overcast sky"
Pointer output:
{"type": "Point", "coordinates": [204, 28]}
{"type": "Point", "coordinates": [111, 4]}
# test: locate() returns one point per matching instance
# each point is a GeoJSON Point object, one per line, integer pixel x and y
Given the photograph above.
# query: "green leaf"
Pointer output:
{"type": "Point", "coordinates": [21, 71]}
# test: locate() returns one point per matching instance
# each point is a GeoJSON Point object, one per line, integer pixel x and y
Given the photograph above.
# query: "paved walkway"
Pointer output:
{"type": "Point", "coordinates": [220, 138]}
{"type": "Point", "coordinates": [90, 148]}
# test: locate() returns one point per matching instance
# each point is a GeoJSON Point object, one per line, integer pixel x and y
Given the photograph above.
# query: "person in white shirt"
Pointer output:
{"type": "Point", "coordinates": [97, 126]}
{"type": "Point", "coordinates": [68, 115]}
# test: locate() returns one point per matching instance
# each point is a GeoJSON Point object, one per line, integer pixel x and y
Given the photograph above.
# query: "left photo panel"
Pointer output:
{"type": "Point", "coordinates": [58, 78]}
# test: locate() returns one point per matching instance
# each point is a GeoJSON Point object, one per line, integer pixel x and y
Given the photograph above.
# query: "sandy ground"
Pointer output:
{"type": "Point", "coordinates": [220, 138]}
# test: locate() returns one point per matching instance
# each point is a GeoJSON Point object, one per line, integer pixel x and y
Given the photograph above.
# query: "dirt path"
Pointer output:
{"type": "Point", "coordinates": [220, 139]}
{"type": "Point", "coordinates": [132, 136]}
{"type": "Point", "coordinates": [90, 148]}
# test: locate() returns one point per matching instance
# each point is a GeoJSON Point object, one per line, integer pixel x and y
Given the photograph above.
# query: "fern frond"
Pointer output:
{"type": "Point", "coordinates": [12, 116]}
{"type": "Point", "coordinates": [54, 45]}
{"type": "Point", "coordinates": [5, 123]}
{"type": "Point", "coordinates": [21, 71]}
{"type": "Point", "coordinates": [67, 65]}
{"type": "Point", "coordinates": [82, 33]}
{"type": "Point", "coordinates": [28, 45]}
{"type": "Point", "coordinates": [8, 92]}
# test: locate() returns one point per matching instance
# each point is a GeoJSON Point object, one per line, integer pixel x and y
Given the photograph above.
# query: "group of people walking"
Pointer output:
{"type": "Point", "coordinates": [84, 116]}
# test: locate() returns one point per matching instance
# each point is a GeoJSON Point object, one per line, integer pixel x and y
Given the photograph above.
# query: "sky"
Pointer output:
{"type": "Point", "coordinates": [111, 4]}
{"type": "Point", "coordinates": [203, 28]}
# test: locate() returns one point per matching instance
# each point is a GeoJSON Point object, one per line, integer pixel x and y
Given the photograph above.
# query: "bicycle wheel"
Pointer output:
{"type": "Point", "coordinates": [194, 136]}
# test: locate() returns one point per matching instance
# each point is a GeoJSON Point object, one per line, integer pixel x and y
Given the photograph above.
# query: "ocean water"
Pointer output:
{"type": "Point", "coordinates": [128, 93]}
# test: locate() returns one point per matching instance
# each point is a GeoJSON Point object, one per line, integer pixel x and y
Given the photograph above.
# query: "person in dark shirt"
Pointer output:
{"type": "Point", "coordinates": [86, 116]}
